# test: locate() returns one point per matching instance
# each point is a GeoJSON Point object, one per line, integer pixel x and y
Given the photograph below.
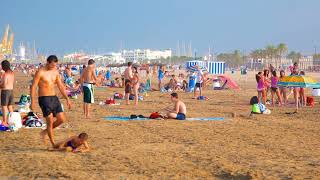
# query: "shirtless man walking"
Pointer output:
{"type": "Point", "coordinates": [6, 86]}
{"type": "Point", "coordinates": [128, 76]}
{"type": "Point", "coordinates": [88, 79]}
{"type": "Point", "coordinates": [45, 79]}
{"type": "Point", "coordinates": [179, 109]}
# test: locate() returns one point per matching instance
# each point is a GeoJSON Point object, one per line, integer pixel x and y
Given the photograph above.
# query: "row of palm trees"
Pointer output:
{"type": "Point", "coordinates": [271, 53]}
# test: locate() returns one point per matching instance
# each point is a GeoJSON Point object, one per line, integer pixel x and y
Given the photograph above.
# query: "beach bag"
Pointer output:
{"type": "Point", "coordinates": [15, 120]}
{"type": "Point", "coordinates": [262, 107]}
{"type": "Point", "coordinates": [201, 98]}
{"type": "Point", "coordinates": [154, 115]}
{"type": "Point", "coordinates": [24, 99]}
{"type": "Point", "coordinates": [3, 128]}
{"type": "Point", "coordinates": [33, 122]}
{"type": "Point", "coordinates": [267, 111]}
{"type": "Point", "coordinates": [310, 101]}
{"type": "Point", "coordinates": [131, 97]}
{"type": "Point", "coordinates": [117, 96]}
{"type": "Point", "coordinates": [110, 101]}
{"type": "Point", "coordinates": [254, 100]}
{"type": "Point", "coordinates": [255, 109]}
{"type": "Point", "coordinates": [28, 116]}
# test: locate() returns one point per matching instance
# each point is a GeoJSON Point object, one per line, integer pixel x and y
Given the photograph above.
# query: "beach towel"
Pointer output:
{"type": "Point", "coordinates": [121, 118]}
{"type": "Point", "coordinates": [206, 119]}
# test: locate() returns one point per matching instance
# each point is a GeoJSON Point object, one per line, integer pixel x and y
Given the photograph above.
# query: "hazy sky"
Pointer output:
{"type": "Point", "coordinates": [60, 26]}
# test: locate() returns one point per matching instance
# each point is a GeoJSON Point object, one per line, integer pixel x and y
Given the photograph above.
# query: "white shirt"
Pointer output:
{"type": "Point", "coordinates": [199, 76]}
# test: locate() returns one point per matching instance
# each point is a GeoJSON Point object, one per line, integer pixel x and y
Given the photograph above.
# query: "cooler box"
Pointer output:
{"type": "Point", "coordinates": [315, 92]}
{"type": "Point", "coordinates": [192, 82]}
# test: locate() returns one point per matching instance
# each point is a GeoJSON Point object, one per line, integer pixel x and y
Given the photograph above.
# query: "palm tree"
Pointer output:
{"type": "Point", "coordinates": [294, 56]}
{"type": "Point", "coordinates": [282, 49]}
{"type": "Point", "coordinates": [271, 52]}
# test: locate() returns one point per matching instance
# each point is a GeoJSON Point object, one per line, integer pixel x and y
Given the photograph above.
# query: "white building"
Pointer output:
{"type": "Point", "coordinates": [145, 54]}
{"type": "Point", "coordinates": [306, 62]}
{"type": "Point", "coordinates": [110, 58]}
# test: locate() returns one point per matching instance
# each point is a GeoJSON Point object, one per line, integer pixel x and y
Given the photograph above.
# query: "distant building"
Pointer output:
{"type": "Point", "coordinates": [110, 58]}
{"type": "Point", "coordinates": [145, 54]}
{"type": "Point", "coordinates": [262, 62]}
{"type": "Point", "coordinates": [306, 62]}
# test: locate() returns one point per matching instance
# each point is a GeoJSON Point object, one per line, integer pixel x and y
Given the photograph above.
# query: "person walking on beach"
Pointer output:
{"type": "Point", "coordinates": [45, 79]}
{"type": "Point", "coordinates": [199, 83]}
{"type": "Point", "coordinates": [88, 79]}
{"type": "Point", "coordinates": [160, 76]}
{"type": "Point", "coordinates": [6, 85]}
{"type": "Point", "coordinates": [128, 75]}
{"type": "Point", "coordinates": [179, 109]}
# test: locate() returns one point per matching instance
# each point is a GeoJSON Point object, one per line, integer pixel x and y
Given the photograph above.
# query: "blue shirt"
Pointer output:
{"type": "Point", "coordinates": [160, 74]}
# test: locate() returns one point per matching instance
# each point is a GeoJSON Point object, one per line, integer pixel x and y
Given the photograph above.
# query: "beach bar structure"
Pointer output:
{"type": "Point", "coordinates": [213, 67]}
{"type": "Point", "coordinates": [193, 63]}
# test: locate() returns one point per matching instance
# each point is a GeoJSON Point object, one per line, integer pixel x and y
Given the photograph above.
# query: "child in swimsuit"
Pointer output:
{"type": "Point", "coordinates": [303, 97]}
{"type": "Point", "coordinates": [283, 90]}
{"type": "Point", "coordinates": [274, 88]}
{"type": "Point", "coordinates": [260, 87]}
{"type": "Point", "coordinates": [73, 144]}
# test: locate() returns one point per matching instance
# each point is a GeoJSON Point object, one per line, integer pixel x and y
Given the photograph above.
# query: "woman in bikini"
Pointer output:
{"type": "Point", "coordinates": [274, 89]}
{"type": "Point", "coordinates": [135, 85]}
{"type": "Point", "coordinates": [283, 90]}
{"type": "Point", "coordinates": [261, 88]}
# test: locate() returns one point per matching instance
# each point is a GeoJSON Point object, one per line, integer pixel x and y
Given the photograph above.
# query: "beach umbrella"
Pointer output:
{"type": "Point", "coordinates": [298, 81]}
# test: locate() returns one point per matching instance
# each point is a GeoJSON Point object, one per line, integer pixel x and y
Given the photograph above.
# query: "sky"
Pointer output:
{"type": "Point", "coordinates": [98, 26]}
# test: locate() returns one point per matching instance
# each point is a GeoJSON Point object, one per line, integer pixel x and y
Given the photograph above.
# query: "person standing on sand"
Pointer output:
{"type": "Point", "coordinates": [45, 79]}
{"type": "Point", "coordinates": [199, 83]}
{"type": "Point", "coordinates": [6, 85]}
{"type": "Point", "coordinates": [179, 109]}
{"type": "Point", "coordinates": [88, 79]}
{"type": "Point", "coordinates": [160, 76]}
{"type": "Point", "coordinates": [135, 85]}
{"type": "Point", "coordinates": [128, 75]}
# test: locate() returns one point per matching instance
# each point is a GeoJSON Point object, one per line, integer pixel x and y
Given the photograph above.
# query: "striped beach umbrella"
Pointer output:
{"type": "Point", "coordinates": [298, 81]}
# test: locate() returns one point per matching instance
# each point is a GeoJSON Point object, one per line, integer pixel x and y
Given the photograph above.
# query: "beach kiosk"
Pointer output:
{"type": "Point", "coordinates": [215, 67]}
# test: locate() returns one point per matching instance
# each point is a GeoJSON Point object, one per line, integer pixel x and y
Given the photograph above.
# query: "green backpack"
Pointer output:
{"type": "Point", "coordinates": [255, 109]}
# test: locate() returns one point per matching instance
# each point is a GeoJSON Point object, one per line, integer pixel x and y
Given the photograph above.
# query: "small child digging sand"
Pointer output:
{"type": "Point", "coordinates": [73, 144]}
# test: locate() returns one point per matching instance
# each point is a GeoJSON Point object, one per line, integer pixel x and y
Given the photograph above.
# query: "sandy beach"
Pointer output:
{"type": "Point", "coordinates": [276, 146]}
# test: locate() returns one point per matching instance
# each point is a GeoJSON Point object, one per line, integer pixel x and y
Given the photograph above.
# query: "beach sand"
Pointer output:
{"type": "Point", "coordinates": [276, 146]}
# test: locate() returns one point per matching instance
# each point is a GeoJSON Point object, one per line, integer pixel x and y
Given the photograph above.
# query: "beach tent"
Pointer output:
{"type": "Point", "coordinates": [230, 83]}
{"type": "Point", "coordinates": [193, 63]}
{"type": "Point", "coordinates": [214, 67]}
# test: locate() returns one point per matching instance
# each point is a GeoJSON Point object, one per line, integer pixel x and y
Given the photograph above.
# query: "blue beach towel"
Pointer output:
{"type": "Point", "coordinates": [121, 118]}
{"type": "Point", "coordinates": [206, 119]}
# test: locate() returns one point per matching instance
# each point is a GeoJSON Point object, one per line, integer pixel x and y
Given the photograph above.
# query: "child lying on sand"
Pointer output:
{"type": "Point", "coordinates": [73, 143]}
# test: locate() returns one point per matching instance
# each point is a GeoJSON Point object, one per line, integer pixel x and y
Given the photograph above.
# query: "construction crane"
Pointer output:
{"type": "Point", "coordinates": [10, 43]}
{"type": "Point", "coordinates": [6, 46]}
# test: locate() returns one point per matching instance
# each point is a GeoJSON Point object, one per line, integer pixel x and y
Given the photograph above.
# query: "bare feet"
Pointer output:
{"type": "Point", "coordinates": [44, 137]}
